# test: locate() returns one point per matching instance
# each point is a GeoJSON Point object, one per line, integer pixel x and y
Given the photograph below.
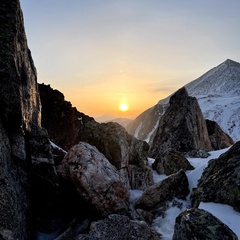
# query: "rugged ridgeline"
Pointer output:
{"type": "Point", "coordinates": [25, 152]}
{"type": "Point", "coordinates": [66, 127]}
{"type": "Point", "coordinates": [182, 129]}
{"type": "Point", "coordinates": [217, 92]}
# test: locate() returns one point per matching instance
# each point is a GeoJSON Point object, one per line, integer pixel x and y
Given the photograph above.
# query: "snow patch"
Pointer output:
{"type": "Point", "coordinates": [225, 213]}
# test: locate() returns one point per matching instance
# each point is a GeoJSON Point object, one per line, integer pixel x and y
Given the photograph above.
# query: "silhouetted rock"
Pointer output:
{"type": "Point", "coordinates": [218, 138]}
{"type": "Point", "coordinates": [220, 180]}
{"type": "Point", "coordinates": [96, 180]}
{"type": "Point", "coordinates": [182, 127]}
{"type": "Point", "coordinates": [175, 186]}
{"type": "Point", "coordinates": [119, 227]}
{"type": "Point", "coordinates": [171, 162]}
{"type": "Point", "coordinates": [200, 224]}
{"type": "Point", "coordinates": [66, 127]}
{"type": "Point", "coordinates": [25, 151]}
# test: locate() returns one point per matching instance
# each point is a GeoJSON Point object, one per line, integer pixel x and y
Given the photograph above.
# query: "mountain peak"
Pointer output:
{"type": "Point", "coordinates": [230, 63]}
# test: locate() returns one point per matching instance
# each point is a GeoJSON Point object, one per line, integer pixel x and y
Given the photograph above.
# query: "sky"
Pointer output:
{"type": "Point", "coordinates": [102, 53]}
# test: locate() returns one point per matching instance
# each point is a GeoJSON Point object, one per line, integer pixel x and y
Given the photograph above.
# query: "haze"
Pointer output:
{"type": "Point", "coordinates": [101, 54]}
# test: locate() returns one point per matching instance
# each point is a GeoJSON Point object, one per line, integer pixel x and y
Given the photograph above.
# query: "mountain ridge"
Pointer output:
{"type": "Point", "coordinates": [217, 91]}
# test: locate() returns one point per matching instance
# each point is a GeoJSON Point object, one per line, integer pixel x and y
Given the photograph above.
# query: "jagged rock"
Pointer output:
{"type": "Point", "coordinates": [171, 162]}
{"type": "Point", "coordinates": [220, 182]}
{"type": "Point", "coordinates": [199, 224]}
{"type": "Point", "coordinates": [198, 153]}
{"type": "Point", "coordinates": [219, 139]}
{"type": "Point", "coordinates": [175, 186]}
{"type": "Point", "coordinates": [119, 227]}
{"type": "Point", "coordinates": [182, 128]}
{"type": "Point", "coordinates": [24, 145]}
{"type": "Point", "coordinates": [96, 180]}
{"type": "Point", "coordinates": [66, 127]}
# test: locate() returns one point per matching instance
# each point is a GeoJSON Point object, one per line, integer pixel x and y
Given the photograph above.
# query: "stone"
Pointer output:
{"type": "Point", "coordinates": [171, 162]}
{"type": "Point", "coordinates": [199, 224]}
{"type": "Point", "coordinates": [95, 179]}
{"type": "Point", "coordinates": [119, 227]}
{"type": "Point", "coordinates": [219, 139]}
{"type": "Point", "coordinates": [182, 127]}
{"type": "Point", "coordinates": [220, 182]}
{"type": "Point", "coordinates": [156, 196]}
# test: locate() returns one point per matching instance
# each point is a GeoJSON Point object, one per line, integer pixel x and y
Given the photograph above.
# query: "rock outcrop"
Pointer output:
{"type": "Point", "coordinates": [66, 127]}
{"type": "Point", "coordinates": [218, 138]}
{"type": "Point", "coordinates": [171, 162]}
{"type": "Point", "coordinates": [220, 182]}
{"type": "Point", "coordinates": [95, 179]}
{"type": "Point", "coordinates": [199, 224]}
{"type": "Point", "coordinates": [182, 127]}
{"type": "Point", "coordinates": [120, 227]}
{"type": "Point", "coordinates": [25, 154]}
{"type": "Point", "coordinates": [156, 196]}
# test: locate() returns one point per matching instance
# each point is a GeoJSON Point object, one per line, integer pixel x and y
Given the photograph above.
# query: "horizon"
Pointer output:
{"type": "Point", "coordinates": [104, 54]}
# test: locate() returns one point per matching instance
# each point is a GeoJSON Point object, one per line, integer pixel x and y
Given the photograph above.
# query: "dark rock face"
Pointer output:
{"type": "Point", "coordinates": [24, 145]}
{"type": "Point", "coordinates": [182, 127]}
{"type": "Point", "coordinates": [119, 227]}
{"type": "Point", "coordinates": [171, 162]}
{"type": "Point", "coordinates": [160, 193]}
{"type": "Point", "coordinates": [66, 127]}
{"type": "Point", "coordinates": [96, 180]}
{"type": "Point", "coordinates": [200, 224]}
{"type": "Point", "coordinates": [220, 180]}
{"type": "Point", "coordinates": [219, 139]}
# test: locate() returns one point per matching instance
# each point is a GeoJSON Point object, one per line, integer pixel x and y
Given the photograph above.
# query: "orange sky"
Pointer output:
{"type": "Point", "coordinates": [99, 53]}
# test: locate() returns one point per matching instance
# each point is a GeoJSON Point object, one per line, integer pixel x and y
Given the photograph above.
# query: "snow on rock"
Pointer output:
{"type": "Point", "coordinates": [225, 213]}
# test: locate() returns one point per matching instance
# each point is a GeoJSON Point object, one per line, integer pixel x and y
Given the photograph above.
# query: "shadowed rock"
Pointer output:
{"type": "Point", "coordinates": [220, 182]}
{"type": "Point", "coordinates": [25, 152]}
{"type": "Point", "coordinates": [119, 227]}
{"type": "Point", "coordinates": [199, 224]}
{"type": "Point", "coordinates": [95, 179]}
{"type": "Point", "coordinates": [171, 162]}
{"type": "Point", "coordinates": [175, 186]}
{"type": "Point", "coordinates": [219, 139]}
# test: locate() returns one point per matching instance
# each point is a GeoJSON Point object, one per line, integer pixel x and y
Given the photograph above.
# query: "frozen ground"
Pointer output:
{"type": "Point", "coordinates": [165, 224]}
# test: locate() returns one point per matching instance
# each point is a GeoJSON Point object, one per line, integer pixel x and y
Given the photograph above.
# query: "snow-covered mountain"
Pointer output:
{"type": "Point", "coordinates": [218, 94]}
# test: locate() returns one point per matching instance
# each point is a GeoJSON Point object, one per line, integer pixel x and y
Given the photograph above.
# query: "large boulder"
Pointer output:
{"type": "Point", "coordinates": [220, 182]}
{"type": "Point", "coordinates": [171, 162]}
{"type": "Point", "coordinates": [66, 127]}
{"type": "Point", "coordinates": [24, 145]}
{"type": "Point", "coordinates": [199, 224]}
{"type": "Point", "coordinates": [218, 138]}
{"type": "Point", "coordinates": [156, 196]}
{"type": "Point", "coordinates": [95, 179]}
{"type": "Point", "coordinates": [182, 127]}
{"type": "Point", "coordinates": [119, 227]}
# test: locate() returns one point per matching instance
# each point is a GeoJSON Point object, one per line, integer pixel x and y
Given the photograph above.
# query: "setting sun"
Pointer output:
{"type": "Point", "coordinates": [123, 107]}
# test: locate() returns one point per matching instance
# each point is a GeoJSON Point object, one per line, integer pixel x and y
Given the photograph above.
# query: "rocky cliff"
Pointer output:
{"type": "Point", "coordinates": [24, 146]}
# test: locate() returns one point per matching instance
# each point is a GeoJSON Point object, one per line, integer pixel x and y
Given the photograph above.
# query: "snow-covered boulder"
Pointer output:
{"type": "Point", "coordinates": [95, 179]}
{"type": "Point", "coordinates": [199, 224]}
{"type": "Point", "coordinates": [220, 182]}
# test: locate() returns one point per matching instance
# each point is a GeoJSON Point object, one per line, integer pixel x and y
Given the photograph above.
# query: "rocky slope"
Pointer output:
{"type": "Point", "coordinates": [217, 92]}
{"type": "Point", "coordinates": [66, 127]}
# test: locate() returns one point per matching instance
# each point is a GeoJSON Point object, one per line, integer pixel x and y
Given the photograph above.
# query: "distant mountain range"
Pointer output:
{"type": "Point", "coordinates": [218, 94]}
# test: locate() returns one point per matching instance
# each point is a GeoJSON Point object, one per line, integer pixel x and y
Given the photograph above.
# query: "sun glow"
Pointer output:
{"type": "Point", "coordinates": [123, 107]}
